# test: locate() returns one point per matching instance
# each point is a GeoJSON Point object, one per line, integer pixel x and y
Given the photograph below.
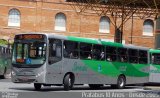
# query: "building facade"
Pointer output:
{"type": "Point", "coordinates": [58, 16]}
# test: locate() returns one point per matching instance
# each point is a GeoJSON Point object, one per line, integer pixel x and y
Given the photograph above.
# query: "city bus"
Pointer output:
{"type": "Point", "coordinates": [5, 61]}
{"type": "Point", "coordinates": [51, 59]}
{"type": "Point", "coordinates": [154, 66]}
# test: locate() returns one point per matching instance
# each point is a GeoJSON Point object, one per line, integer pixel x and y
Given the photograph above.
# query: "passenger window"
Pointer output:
{"type": "Point", "coordinates": [70, 50]}
{"type": "Point", "coordinates": [55, 51]}
{"type": "Point", "coordinates": [155, 58]}
{"type": "Point", "coordinates": [85, 51]}
{"type": "Point", "coordinates": [133, 55]}
{"type": "Point", "coordinates": [122, 54]}
{"type": "Point", "coordinates": [111, 53]}
{"type": "Point", "coordinates": [143, 57]}
{"type": "Point", "coordinates": [98, 52]}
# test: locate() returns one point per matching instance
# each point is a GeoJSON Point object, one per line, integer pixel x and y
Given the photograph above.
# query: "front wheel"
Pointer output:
{"type": "Point", "coordinates": [37, 86]}
{"type": "Point", "coordinates": [121, 82]}
{"type": "Point", "coordinates": [68, 82]}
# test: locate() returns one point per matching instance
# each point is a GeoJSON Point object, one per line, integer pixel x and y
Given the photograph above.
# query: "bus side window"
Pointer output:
{"type": "Point", "coordinates": [98, 52]}
{"type": "Point", "coordinates": [133, 55]}
{"type": "Point", "coordinates": [85, 51]}
{"type": "Point", "coordinates": [111, 53]}
{"type": "Point", "coordinates": [155, 58]}
{"type": "Point", "coordinates": [70, 50]}
{"type": "Point", "coordinates": [122, 54]}
{"type": "Point", "coordinates": [143, 57]}
{"type": "Point", "coordinates": [55, 51]}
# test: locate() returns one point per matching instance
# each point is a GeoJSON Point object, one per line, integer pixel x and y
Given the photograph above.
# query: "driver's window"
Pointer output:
{"type": "Point", "coordinates": [55, 51]}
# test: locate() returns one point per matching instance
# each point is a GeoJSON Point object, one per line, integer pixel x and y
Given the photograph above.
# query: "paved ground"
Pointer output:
{"type": "Point", "coordinates": [12, 90]}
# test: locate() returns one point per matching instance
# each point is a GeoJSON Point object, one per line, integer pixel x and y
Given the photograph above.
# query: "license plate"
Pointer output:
{"type": "Point", "coordinates": [24, 78]}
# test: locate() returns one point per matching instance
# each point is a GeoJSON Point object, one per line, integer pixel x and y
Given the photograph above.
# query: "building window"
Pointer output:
{"type": "Point", "coordinates": [148, 27]}
{"type": "Point", "coordinates": [60, 22]}
{"type": "Point", "coordinates": [104, 26]}
{"type": "Point", "coordinates": [14, 18]}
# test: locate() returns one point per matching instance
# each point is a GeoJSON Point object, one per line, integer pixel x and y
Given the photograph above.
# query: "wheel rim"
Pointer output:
{"type": "Point", "coordinates": [121, 82]}
{"type": "Point", "coordinates": [69, 81]}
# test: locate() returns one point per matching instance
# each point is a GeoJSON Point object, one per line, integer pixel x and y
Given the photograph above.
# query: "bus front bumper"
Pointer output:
{"type": "Point", "coordinates": [38, 78]}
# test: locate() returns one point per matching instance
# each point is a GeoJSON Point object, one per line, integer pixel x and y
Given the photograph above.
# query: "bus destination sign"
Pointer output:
{"type": "Point", "coordinates": [30, 36]}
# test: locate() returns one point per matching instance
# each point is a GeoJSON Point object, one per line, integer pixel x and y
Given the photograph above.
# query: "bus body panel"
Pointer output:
{"type": "Point", "coordinates": [29, 75]}
{"type": "Point", "coordinates": [54, 73]}
{"type": "Point", "coordinates": [154, 73]}
{"type": "Point", "coordinates": [94, 72]}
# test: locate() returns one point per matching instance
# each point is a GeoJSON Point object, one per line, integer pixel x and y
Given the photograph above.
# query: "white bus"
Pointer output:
{"type": "Point", "coordinates": [49, 59]}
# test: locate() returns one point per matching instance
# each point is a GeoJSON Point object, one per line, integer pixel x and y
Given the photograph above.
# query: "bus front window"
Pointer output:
{"type": "Point", "coordinates": [31, 53]}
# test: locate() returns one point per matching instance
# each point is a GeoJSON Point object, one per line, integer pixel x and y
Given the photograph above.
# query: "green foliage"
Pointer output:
{"type": "Point", "coordinates": [3, 42]}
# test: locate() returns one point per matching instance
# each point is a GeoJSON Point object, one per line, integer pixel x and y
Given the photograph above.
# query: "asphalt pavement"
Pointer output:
{"type": "Point", "coordinates": [13, 90]}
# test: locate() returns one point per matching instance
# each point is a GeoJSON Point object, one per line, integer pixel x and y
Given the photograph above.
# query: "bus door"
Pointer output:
{"type": "Point", "coordinates": [54, 67]}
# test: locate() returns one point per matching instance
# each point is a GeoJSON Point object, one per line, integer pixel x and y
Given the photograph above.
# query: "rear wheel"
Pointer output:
{"type": "Point", "coordinates": [68, 82]}
{"type": "Point", "coordinates": [121, 82]}
{"type": "Point", "coordinates": [37, 86]}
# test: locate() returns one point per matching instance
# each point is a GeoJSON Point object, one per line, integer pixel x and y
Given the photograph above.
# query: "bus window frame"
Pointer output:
{"type": "Point", "coordinates": [136, 56]}
{"type": "Point", "coordinates": [98, 55]}
{"type": "Point", "coordinates": [122, 57]}
{"type": "Point", "coordinates": [142, 57]}
{"type": "Point", "coordinates": [89, 56]}
{"type": "Point", "coordinates": [109, 55]}
{"type": "Point", "coordinates": [72, 53]}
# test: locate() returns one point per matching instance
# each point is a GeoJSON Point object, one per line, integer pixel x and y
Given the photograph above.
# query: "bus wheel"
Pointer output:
{"type": "Point", "coordinates": [37, 86]}
{"type": "Point", "coordinates": [95, 86]}
{"type": "Point", "coordinates": [121, 82]}
{"type": "Point", "coordinates": [68, 82]}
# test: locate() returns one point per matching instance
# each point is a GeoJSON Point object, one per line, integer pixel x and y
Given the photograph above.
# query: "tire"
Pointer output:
{"type": "Point", "coordinates": [95, 86]}
{"type": "Point", "coordinates": [37, 86]}
{"type": "Point", "coordinates": [121, 82]}
{"type": "Point", "coordinates": [68, 82]}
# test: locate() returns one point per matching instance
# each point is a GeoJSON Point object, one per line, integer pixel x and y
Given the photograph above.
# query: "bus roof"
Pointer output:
{"type": "Point", "coordinates": [90, 40]}
{"type": "Point", "coordinates": [154, 51]}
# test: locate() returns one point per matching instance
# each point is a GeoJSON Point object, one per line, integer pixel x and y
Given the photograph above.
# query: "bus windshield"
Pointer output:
{"type": "Point", "coordinates": [29, 53]}
{"type": "Point", "coordinates": [155, 59]}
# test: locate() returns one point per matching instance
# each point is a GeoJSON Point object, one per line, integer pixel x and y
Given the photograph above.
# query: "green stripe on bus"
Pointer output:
{"type": "Point", "coordinates": [154, 51]}
{"type": "Point", "coordinates": [87, 40]}
{"type": "Point", "coordinates": [112, 44]}
{"type": "Point", "coordinates": [116, 68]}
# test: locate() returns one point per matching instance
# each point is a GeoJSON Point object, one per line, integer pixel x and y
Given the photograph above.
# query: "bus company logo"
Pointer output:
{"type": "Point", "coordinates": [9, 95]}
{"type": "Point", "coordinates": [99, 68]}
{"type": "Point", "coordinates": [123, 68]}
